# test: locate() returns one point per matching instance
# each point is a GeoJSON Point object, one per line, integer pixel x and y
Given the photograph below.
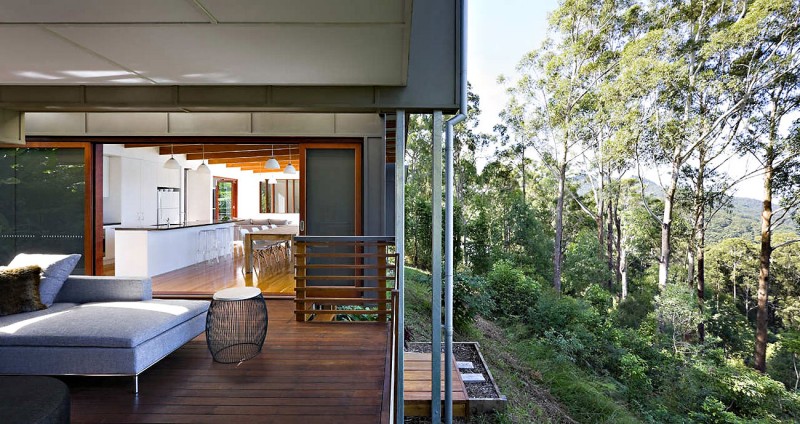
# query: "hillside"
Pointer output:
{"type": "Point", "coordinates": [741, 219]}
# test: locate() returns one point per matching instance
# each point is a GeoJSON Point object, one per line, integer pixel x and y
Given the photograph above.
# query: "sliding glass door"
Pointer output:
{"type": "Point", "coordinates": [45, 203]}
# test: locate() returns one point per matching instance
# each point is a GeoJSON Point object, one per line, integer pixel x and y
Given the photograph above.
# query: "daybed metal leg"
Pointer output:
{"type": "Point", "coordinates": [136, 384]}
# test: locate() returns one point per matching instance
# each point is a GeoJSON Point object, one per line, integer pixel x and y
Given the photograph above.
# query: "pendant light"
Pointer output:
{"type": "Point", "coordinates": [171, 163]}
{"type": "Point", "coordinates": [272, 163]}
{"type": "Point", "coordinates": [203, 168]}
{"type": "Point", "coordinates": [289, 168]}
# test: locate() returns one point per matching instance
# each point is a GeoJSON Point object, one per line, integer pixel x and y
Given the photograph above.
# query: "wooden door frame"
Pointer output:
{"type": "Point", "coordinates": [234, 196]}
{"type": "Point", "coordinates": [92, 197]}
{"type": "Point", "coordinates": [359, 187]}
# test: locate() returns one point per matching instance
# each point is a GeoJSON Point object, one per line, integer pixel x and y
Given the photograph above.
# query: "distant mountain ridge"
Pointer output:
{"type": "Point", "coordinates": [741, 219]}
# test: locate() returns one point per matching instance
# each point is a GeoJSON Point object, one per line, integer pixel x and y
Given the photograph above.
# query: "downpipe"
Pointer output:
{"type": "Point", "coordinates": [448, 246]}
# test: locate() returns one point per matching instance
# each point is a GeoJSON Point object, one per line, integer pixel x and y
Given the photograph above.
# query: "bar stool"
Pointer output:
{"type": "Point", "coordinates": [238, 245]}
{"type": "Point", "coordinates": [221, 242]}
{"type": "Point", "coordinates": [207, 241]}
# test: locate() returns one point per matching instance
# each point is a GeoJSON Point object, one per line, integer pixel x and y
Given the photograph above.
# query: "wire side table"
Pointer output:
{"type": "Point", "coordinates": [236, 324]}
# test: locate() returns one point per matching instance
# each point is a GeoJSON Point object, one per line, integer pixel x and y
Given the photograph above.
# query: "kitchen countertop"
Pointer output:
{"type": "Point", "coordinates": [164, 227]}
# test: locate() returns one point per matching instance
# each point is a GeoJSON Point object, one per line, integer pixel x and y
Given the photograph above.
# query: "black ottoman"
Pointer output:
{"type": "Point", "coordinates": [236, 324]}
{"type": "Point", "coordinates": [33, 400]}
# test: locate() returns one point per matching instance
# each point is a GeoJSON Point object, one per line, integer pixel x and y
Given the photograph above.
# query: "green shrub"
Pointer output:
{"type": "Point", "coordinates": [714, 412]}
{"type": "Point", "coordinates": [470, 299]}
{"type": "Point", "coordinates": [634, 376]}
{"type": "Point", "coordinates": [599, 298]}
{"type": "Point", "coordinates": [511, 291]}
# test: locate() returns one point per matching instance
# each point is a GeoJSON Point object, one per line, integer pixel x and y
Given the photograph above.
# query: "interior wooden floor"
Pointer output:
{"type": "Point", "coordinates": [203, 279]}
{"type": "Point", "coordinates": [307, 373]}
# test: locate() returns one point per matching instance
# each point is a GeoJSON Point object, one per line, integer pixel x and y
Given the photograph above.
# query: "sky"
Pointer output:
{"type": "Point", "coordinates": [499, 33]}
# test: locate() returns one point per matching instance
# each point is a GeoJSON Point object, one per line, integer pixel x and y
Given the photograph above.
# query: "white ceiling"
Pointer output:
{"type": "Point", "coordinates": [198, 42]}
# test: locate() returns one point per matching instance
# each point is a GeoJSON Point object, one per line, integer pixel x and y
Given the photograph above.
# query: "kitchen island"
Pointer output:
{"type": "Point", "coordinates": [156, 249]}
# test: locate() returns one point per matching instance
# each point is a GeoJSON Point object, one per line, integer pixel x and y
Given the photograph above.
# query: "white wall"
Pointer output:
{"type": "Point", "coordinates": [198, 196]}
{"type": "Point", "coordinates": [111, 204]}
{"type": "Point", "coordinates": [249, 192]}
{"type": "Point", "coordinates": [134, 175]}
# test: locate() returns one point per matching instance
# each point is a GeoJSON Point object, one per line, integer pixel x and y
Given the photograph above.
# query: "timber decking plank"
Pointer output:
{"type": "Point", "coordinates": [306, 373]}
{"type": "Point", "coordinates": [417, 386]}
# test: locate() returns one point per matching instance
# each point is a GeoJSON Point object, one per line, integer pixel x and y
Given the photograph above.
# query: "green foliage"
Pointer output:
{"type": "Point", "coordinates": [582, 264]}
{"type": "Point", "coordinates": [714, 412]}
{"type": "Point", "coordinates": [634, 376]}
{"type": "Point", "coordinates": [727, 328]}
{"type": "Point", "coordinates": [677, 309]}
{"type": "Point", "coordinates": [470, 299]}
{"type": "Point", "coordinates": [510, 290]}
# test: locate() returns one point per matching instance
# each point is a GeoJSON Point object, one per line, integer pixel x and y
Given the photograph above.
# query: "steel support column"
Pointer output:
{"type": "Point", "coordinates": [400, 246]}
{"type": "Point", "coordinates": [436, 271]}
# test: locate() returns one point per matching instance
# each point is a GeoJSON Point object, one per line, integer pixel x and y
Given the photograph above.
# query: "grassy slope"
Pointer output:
{"type": "Point", "coordinates": [539, 389]}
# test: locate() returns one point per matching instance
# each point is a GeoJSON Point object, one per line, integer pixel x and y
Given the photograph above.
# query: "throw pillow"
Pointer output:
{"type": "Point", "coordinates": [20, 290]}
{"type": "Point", "coordinates": [55, 270]}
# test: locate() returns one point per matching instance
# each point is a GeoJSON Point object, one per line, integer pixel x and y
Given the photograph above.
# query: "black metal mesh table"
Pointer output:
{"type": "Point", "coordinates": [236, 324]}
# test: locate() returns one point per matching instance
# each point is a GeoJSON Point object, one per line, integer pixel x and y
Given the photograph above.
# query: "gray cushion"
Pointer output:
{"type": "Point", "coordinates": [278, 221]}
{"type": "Point", "coordinates": [87, 288]}
{"type": "Point", "coordinates": [108, 324]}
{"type": "Point", "coordinates": [55, 270]}
{"type": "Point", "coordinates": [259, 221]}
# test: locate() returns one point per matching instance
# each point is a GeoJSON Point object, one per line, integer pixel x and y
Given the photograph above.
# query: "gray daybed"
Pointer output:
{"type": "Point", "coordinates": [99, 326]}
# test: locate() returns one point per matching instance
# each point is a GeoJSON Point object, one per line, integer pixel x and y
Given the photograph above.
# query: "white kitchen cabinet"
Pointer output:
{"type": "Point", "coordinates": [139, 192]}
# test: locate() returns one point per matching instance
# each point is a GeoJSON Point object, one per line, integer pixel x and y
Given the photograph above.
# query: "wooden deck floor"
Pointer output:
{"type": "Point", "coordinates": [307, 373]}
{"type": "Point", "coordinates": [417, 386]}
{"type": "Point", "coordinates": [203, 279]}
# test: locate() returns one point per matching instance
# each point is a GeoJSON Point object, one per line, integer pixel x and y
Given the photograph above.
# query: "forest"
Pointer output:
{"type": "Point", "coordinates": [600, 241]}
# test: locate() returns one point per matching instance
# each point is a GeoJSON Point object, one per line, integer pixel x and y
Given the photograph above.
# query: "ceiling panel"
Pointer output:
{"type": "Point", "coordinates": [99, 11]}
{"type": "Point", "coordinates": [250, 54]}
{"type": "Point", "coordinates": [46, 59]}
{"type": "Point", "coordinates": [323, 11]}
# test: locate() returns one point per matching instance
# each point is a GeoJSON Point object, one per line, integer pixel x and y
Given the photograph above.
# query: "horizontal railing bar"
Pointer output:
{"type": "Point", "coordinates": [345, 288]}
{"type": "Point", "coordinates": [336, 312]}
{"type": "Point", "coordinates": [345, 255]}
{"type": "Point", "coordinates": [331, 239]}
{"type": "Point", "coordinates": [341, 300]}
{"type": "Point", "coordinates": [344, 266]}
{"type": "Point", "coordinates": [343, 277]}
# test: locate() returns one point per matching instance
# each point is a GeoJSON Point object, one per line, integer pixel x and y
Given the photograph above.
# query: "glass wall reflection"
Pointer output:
{"type": "Point", "coordinates": [42, 207]}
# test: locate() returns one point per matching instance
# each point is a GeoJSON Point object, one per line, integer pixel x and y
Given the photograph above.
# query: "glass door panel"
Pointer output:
{"type": "Point", "coordinates": [42, 202]}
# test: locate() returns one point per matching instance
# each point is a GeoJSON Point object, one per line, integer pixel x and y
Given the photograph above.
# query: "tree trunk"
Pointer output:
{"type": "Point", "coordinates": [610, 248]}
{"type": "Point", "coordinates": [562, 173]}
{"type": "Point", "coordinates": [666, 227]}
{"type": "Point", "coordinates": [764, 258]}
{"type": "Point", "coordinates": [700, 225]}
{"type": "Point", "coordinates": [623, 260]}
{"type": "Point", "coordinates": [618, 241]}
{"type": "Point", "coordinates": [701, 281]}
{"type": "Point", "coordinates": [524, 180]}
{"type": "Point", "coordinates": [760, 355]}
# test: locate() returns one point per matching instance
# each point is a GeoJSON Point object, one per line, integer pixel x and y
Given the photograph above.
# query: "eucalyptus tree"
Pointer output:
{"type": "Point", "coordinates": [766, 41]}
{"type": "Point", "coordinates": [685, 102]}
{"type": "Point", "coordinates": [555, 92]}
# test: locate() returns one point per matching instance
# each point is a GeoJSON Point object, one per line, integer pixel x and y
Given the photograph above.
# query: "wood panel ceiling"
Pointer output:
{"type": "Point", "coordinates": [245, 157]}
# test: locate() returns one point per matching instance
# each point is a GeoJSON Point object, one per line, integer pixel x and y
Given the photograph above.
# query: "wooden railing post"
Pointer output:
{"type": "Point", "coordinates": [300, 271]}
{"type": "Point", "coordinates": [383, 283]}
